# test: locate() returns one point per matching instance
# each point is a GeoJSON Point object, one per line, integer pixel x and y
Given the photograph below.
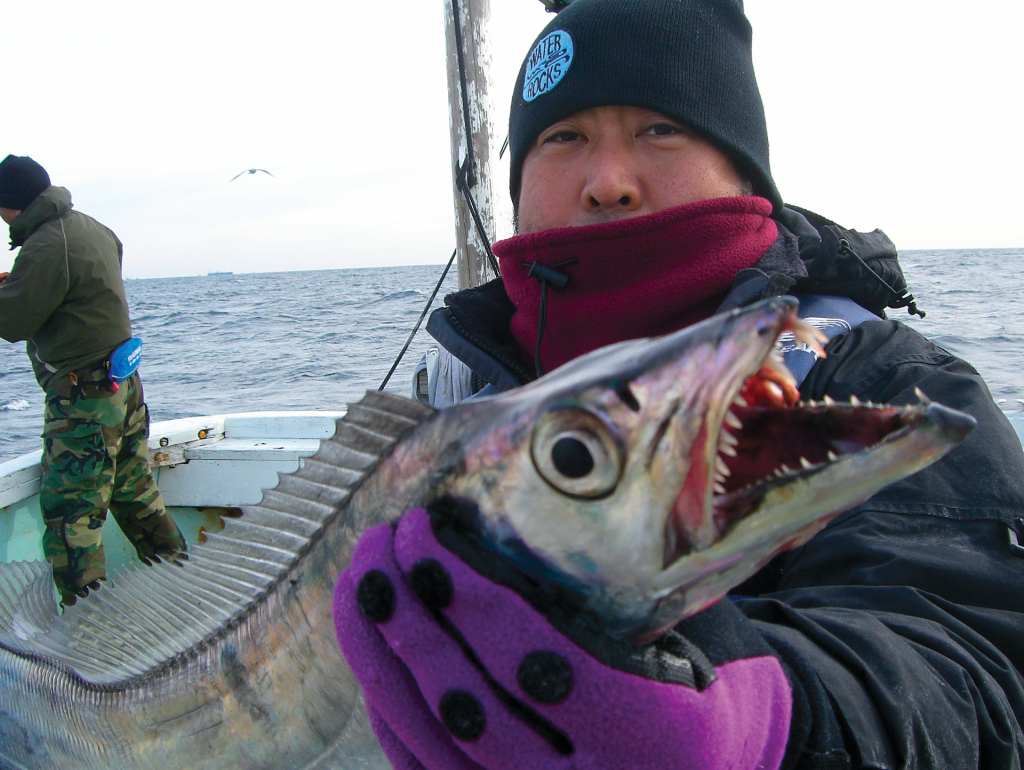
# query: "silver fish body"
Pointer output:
{"type": "Point", "coordinates": [603, 476]}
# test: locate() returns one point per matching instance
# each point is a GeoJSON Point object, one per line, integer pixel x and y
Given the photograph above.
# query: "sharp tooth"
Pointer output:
{"type": "Point", "coordinates": [725, 437]}
{"type": "Point", "coordinates": [832, 456]}
{"type": "Point", "coordinates": [854, 401]}
{"type": "Point", "coordinates": [828, 400]}
{"type": "Point", "coordinates": [922, 397]}
{"type": "Point", "coordinates": [808, 335]}
{"type": "Point", "coordinates": [775, 391]}
{"type": "Point", "coordinates": [727, 450]}
{"type": "Point", "coordinates": [806, 463]}
{"type": "Point", "coordinates": [733, 421]}
{"type": "Point", "coordinates": [739, 400]}
{"type": "Point", "coordinates": [719, 489]}
{"type": "Point", "coordinates": [721, 467]}
{"type": "Point", "coordinates": [774, 363]}
{"type": "Point", "coordinates": [784, 469]}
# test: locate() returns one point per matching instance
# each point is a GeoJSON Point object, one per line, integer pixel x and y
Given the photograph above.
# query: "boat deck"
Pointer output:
{"type": "Point", "coordinates": [206, 468]}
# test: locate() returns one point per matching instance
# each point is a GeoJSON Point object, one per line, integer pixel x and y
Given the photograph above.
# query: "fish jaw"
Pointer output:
{"type": "Point", "coordinates": [787, 514]}
{"type": "Point", "coordinates": [672, 504]}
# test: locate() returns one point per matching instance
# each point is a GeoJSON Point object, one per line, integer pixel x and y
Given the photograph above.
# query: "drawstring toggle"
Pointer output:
{"type": "Point", "coordinates": [546, 275]}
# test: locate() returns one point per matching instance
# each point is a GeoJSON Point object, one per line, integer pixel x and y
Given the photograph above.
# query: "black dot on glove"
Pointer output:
{"type": "Point", "coordinates": [462, 714]}
{"type": "Point", "coordinates": [545, 677]}
{"type": "Point", "coordinates": [376, 596]}
{"type": "Point", "coordinates": [430, 582]}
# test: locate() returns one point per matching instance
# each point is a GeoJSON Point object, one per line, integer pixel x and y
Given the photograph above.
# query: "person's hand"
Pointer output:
{"type": "Point", "coordinates": [459, 672]}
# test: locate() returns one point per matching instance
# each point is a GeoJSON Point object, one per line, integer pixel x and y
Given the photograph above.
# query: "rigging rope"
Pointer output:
{"type": "Point", "coordinates": [416, 328]}
{"type": "Point", "coordinates": [465, 176]}
{"type": "Point", "coordinates": [460, 180]}
{"type": "Point", "coordinates": [465, 180]}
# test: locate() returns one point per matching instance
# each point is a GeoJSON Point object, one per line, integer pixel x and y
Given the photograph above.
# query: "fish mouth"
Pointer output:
{"type": "Point", "coordinates": [763, 447]}
{"type": "Point", "coordinates": [759, 437]}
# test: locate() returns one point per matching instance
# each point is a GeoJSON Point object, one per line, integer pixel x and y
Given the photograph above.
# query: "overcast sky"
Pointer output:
{"type": "Point", "coordinates": [900, 114]}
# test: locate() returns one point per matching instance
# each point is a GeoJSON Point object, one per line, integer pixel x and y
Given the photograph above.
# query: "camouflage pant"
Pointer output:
{"type": "Point", "coordinates": [94, 458]}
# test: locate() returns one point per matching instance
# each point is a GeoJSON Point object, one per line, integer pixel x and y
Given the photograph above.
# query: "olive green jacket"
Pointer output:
{"type": "Point", "coordinates": [64, 294]}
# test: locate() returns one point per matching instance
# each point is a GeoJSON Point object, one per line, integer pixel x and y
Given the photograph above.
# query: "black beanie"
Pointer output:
{"type": "Point", "coordinates": [690, 60]}
{"type": "Point", "coordinates": [21, 181]}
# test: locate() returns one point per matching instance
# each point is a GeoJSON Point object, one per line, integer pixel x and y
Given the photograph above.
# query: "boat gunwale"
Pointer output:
{"type": "Point", "coordinates": [170, 439]}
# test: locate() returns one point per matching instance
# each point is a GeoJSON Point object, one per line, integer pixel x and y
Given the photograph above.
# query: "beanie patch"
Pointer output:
{"type": "Point", "coordinates": [547, 64]}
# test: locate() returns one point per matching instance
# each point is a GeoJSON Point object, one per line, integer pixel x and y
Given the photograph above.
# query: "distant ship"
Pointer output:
{"type": "Point", "coordinates": [220, 272]}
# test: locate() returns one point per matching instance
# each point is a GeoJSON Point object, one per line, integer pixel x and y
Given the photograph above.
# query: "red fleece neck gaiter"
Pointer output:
{"type": "Point", "coordinates": [631, 278]}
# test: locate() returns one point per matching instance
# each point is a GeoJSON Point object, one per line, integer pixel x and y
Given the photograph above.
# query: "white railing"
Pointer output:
{"type": "Point", "coordinates": [221, 460]}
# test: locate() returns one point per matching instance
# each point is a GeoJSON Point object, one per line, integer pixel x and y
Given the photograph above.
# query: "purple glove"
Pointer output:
{"type": "Point", "coordinates": [459, 672]}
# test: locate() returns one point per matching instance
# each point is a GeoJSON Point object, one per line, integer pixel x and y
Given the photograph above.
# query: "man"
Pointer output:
{"type": "Point", "coordinates": [65, 297]}
{"type": "Point", "coordinates": [892, 639]}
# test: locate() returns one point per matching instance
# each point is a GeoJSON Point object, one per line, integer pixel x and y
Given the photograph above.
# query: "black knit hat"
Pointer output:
{"type": "Point", "coordinates": [689, 60]}
{"type": "Point", "coordinates": [21, 181]}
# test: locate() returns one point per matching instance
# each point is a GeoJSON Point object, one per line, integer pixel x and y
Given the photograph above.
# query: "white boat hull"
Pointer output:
{"type": "Point", "coordinates": [206, 467]}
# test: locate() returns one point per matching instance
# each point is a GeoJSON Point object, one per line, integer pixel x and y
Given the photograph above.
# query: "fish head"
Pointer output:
{"type": "Point", "coordinates": [650, 477]}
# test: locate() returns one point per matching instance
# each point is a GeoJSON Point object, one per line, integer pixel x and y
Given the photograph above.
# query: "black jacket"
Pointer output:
{"type": "Point", "coordinates": [901, 625]}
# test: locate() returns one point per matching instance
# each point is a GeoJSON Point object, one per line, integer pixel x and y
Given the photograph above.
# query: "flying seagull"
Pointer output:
{"type": "Point", "coordinates": [250, 171]}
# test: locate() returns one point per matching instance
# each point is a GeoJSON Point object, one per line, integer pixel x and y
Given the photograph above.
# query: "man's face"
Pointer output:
{"type": "Point", "coordinates": [610, 163]}
{"type": "Point", "coordinates": [9, 215]}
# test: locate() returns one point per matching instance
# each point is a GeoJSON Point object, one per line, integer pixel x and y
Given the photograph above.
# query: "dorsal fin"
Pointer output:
{"type": "Point", "coordinates": [147, 616]}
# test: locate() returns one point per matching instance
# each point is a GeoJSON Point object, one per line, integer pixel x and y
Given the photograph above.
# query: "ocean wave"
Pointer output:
{"type": "Point", "coordinates": [316, 340]}
{"type": "Point", "coordinates": [1011, 406]}
{"type": "Point", "coordinates": [391, 297]}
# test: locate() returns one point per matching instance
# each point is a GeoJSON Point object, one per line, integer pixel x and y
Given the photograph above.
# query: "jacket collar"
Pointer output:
{"type": "Point", "coordinates": [808, 257]}
{"type": "Point", "coordinates": [49, 204]}
{"type": "Point", "coordinates": [474, 326]}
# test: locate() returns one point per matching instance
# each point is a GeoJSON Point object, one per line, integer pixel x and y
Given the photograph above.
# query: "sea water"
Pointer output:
{"type": "Point", "coordinates": [317, 340]}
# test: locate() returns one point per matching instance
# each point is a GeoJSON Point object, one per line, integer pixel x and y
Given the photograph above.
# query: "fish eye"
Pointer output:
{"type": "Point", "coordinates": [576, 453]}
{"type": "Point", "coordinates": [571, 457]}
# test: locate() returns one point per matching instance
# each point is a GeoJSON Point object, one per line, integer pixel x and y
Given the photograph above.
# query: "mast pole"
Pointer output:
{"type": "Point", "coordinates": [471, 124]}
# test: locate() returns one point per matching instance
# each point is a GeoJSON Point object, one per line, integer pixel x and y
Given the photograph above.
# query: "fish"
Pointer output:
{"type": "Point", "coordinates": [644, 480]}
